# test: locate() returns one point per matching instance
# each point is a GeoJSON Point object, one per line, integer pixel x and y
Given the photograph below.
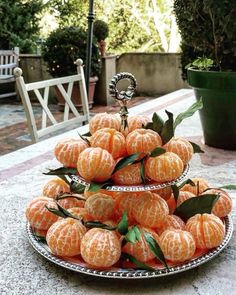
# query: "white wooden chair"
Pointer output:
{"type": "Point", "coordinates": [8, 61]}
{"type": "Point", "coordinates": [44, 86]}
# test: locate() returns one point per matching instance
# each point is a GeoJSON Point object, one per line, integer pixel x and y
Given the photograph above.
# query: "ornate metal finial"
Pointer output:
{"type": "Point", "coordinates": [123, 97]}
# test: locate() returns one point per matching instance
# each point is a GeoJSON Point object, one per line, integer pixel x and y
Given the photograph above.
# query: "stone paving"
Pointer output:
{"type": "Point", "coordinates": [13, 127]}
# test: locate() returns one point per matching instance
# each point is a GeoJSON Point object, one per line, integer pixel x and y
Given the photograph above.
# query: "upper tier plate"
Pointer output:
{"type": "Point", "coordinates": [136, 188]}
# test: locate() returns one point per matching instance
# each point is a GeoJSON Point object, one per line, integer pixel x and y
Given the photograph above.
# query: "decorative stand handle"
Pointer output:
{"type": "Point", "coordinates": [123, 97]}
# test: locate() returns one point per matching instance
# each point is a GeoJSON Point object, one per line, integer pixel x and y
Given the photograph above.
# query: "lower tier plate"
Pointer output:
{"type": "Point", "coordinates": [120, 273]}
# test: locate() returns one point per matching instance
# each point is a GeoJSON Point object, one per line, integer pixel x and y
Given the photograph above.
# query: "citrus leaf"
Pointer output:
{"type": "Point", "coordinates": [76, 187]}
{"type": "Point", "coordinates": [196, 148]}
{"type": "Point", "coordinates": [61, 171]}
{"type": "Point", "coordinates": [131, 235]}
{"type": "Point", "coordinates": [142, 172]}
{"type": "Point", "coordinates": [167, 131]}
{"type": "Point", "coordinates": [189, 112]}
{"type": "Point", "coordinates": [157, 152]}
{"type": "Point", "coordinates": [69, 195]}
{"type": "Point", "coordinates": [122, 226]}
{"type": "Point", "coordinates": [175, 191]}
{"type": "Point", "coordinates": [149, 125]}
{"type": "Point", "coordinates": [197, 205]}
{"type": "Point", "coordinates": [158, 123]}
{"type": "Point", "coordinates": [138, 233]}
{"type": "Point", "coordinates": [94, 186]}
{"type": "Point", "coordinates": [56, 212]}
{"type": "Point", "coordinates": [155, 248]}
{"type": "Point", "coordinates": [84, 139]}
{"type": "Point", "coordinates": [229, 186]}
{"type": "Point", "coordinates": [135, 261]}
{"type": "Point", "coordinates": [126, 161]}
{"type": "Point", "coordinates": [98, 224]}
{"type": "Point", "coordinates": [87, 134]}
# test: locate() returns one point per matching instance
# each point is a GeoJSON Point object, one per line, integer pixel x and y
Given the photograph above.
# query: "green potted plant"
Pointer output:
{"type": "Point", "coordinates": [101, 32]}
{"type": "Point", "coordinates": [208, 31]}
{"type": "Point", "coordinates": [62, 48]}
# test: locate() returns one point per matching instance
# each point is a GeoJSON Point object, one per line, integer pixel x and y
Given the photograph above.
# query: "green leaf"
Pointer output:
{"type": "Point", "coordinates": [188, 113]}
{"type": "Point", "coordinates": [131, 235]}
{"type": "Point", "coordinates": [168, 129]}
{"type": "Point", "coordinates": [126, 161]}
{"type": "Point", "coordinates": [69, 195]}
{"type": "Point", "coordinates": [98, 224]}
{"type": "Point", "coordinates": [196, 148]}
{"type": "Point", "coordinates": [56, 212]}
{"type": "Point", "coordinates": [77, 187]}
{"type": "Point", "coordinates": [137, 233]}
{"type": "Point", "coordinates": [94, 186]}
{"type": "Point", "coordinates": [149, 125]}
{"type": "Point", "coordinates": [175, 191]}
{"type": "Point", "coordinates": [142, 172]}
{"type": "Point", "coordinates": [155, 248]}
{"type": "Point", "coordinates": [61, 171]}
{"type": "Point", "coordinates": [84, 139]}
{"type": "Point", "coordinates": [187, 181]}
{"type": "Point", "coordinates": [157, 152]}
{"type": "Point", "coordinates": [196, 205]}
{"type": "Point", "coordinates": [87, 134]}
{"type": "Point", "coordinates": [122, 226]}
{"type": "Point", "coordinates": [135, 261]}
{"type": "Point", "coordinates": [229, 186]}
{"type": "Point", "coordinates": [158, 123]}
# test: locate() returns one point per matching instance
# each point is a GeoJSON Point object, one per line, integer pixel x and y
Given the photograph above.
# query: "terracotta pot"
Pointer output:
{"type": "Point", "coordinates": [76, 94]}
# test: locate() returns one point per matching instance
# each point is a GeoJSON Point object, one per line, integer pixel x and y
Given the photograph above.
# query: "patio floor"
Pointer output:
{"type": "Point", "coordinates": [13, 127]}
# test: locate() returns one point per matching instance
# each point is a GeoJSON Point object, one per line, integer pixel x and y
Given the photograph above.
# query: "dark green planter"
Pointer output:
{"type": "Point", "coordinates": [218, 116]}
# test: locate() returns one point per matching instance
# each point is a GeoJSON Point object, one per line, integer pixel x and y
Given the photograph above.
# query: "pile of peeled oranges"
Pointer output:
{"type": "Point", "coordinates": [105, 228]}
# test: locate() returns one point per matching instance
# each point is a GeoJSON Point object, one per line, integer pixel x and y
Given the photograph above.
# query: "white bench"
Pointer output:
{"type": "Point", "coordinates": [8, 61]}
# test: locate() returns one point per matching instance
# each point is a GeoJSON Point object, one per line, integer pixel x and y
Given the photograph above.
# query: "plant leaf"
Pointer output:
{"type": "Point", "coordinates": [76, 187]}
{"type": "Point", "coordinates": [126, 161]}
{"type": "Point", "coordinates": [131, 235]}
{"type": "Point", "coordinates": [167, 131]}
{"type": "Point", "coordinates": [149, 125]}
{"type": "Point", "coordinates": [229, 186]}
{"type": "Point", "coordinates": [189, 112]}
{"type": "Point", "coordinates": [187, 181]}
{"type": "Point", "coordinates": [155, 248]}
{"type": "Point", "coordinates": [158, 123]}
{"type": "Point", "coordinates": [142, 172]}
{"type": "Point", "coordinates": [69, 195]}
{"type": "Point", "coordinates": [196, 148]}
{"type": "Point", "coordinates": [157, 152]}
{"type": "Point", "coordinates": [87, 134]}
{"type": "Point", "coordinates": [84, 139]}
{"type": "Point", "coordinates": [94, 186]}
{"type": "Point", "coordinates": [197, 205]}
{"type": "Point", "coordinates": [61, 171]}
{"type": "Point", "coordinates": [137, 233]}
{"type": "Point", "coordinates": [98, 224]}
{"type": "Point", "coordinates": [175, 191]}
{"type": "Point", "coordinates": [122, 226]}
{"type": "Point", "coordinates": [135, 261]}
{"type": "Point", "coordinates": [56, 212]}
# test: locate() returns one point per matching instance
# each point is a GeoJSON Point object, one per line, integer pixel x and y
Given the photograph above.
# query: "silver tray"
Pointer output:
{"type": "Point", "coordinates": [135, 188]}
{"type": "Point", "coordinates": [43, 250]}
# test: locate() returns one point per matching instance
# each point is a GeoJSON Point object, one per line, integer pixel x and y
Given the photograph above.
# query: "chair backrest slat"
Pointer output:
{"type": "Point", "coordinates": [42, 90]}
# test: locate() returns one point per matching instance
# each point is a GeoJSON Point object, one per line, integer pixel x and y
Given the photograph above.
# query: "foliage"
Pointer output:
{"type": "Point", "coordinates": [100, 30]}
{"type": "Point", "coordinates": [19, 24]}
{"type": "Point", "coordinates": [201, 63]}
{"type": "Point", "coordinates": [64, 46]}
{"type": "Point", "coordinates": [208, 29]}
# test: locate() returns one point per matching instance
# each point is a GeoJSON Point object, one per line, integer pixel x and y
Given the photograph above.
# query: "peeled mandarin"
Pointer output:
{"type": "Point", "coordinates": [180, 146]}
{"type": "Point", "coordinates": [177, 245]}
{"type": "Point", "coordinates": [111, 140]}
{"type": "Point", "coordinates": [223, 205]}
{"type": "Point", "coordinates": [207, 229]}
{"type": "Point", "coordinates": [200, 185]}
{"type": "Point", "coordinates": [81, 213]}
{"type": "Point", "coordinates": [150, 209]}
{"type": "Point", "coordinates": [104, 120]}
{"type": "Point", "coordinates": [55, 187]}
{"type": "Point", "coordinates": [100, 247]}
{"type": "Point", "coordinates": [88, 193]}
{"type": "Point", "coordinates": [171, 222]}
{"type": "Point", "coordinates": [183, 196]}
{"type": "Point", "coordinates": [71, 202]}
{"type": "Point", "coordinates": [136, 122]}
{"type": "Point", "coordinates": [140, 249]}
{"type": "Point", "coordinates": [163, 168]}
{"type": "Point", "coordinates": [129, 175]}
{"type": "Point", "coordinates": [100, 206]}
{"type": "Point", "coordinates": [142, 140]}
{"type": "Point", "coordinates": [164, 192]}
{"type": "Point", "coordinates": [67, 151]}
{"type": "Point", "coordinates": [38, 215]}
{"type": "Point", "coordinates": [64, 237]}
{"type": "Point", "coordinates": [95, 164]}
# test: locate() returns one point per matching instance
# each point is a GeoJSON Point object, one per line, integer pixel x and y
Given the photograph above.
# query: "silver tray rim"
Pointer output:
{"type": "Point", "coordinates": [127, 273]}
{"type": "Point", "coordinates": [135, 188]}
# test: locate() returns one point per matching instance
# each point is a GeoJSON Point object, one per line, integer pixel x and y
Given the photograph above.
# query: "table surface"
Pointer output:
{"type": "Point", "coordinates": [23, 271]}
